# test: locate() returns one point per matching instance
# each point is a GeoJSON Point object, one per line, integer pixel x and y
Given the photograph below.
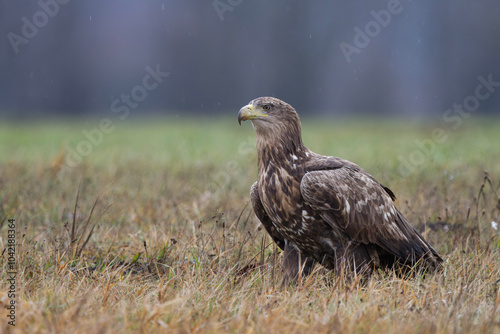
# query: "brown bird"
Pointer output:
{"type": "Point", "coordinates": [325, 209]}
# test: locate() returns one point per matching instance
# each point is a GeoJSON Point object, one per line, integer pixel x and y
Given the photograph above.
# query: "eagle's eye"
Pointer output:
{"type": "Point", "coordinates": [266, 107]}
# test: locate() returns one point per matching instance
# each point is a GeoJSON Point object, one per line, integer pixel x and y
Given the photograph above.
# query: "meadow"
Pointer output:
{"type": "Point", "coordinates": [152, 231]}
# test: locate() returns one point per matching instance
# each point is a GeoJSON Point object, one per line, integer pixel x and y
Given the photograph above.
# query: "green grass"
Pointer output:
{"type": "Point", "coordinates": [174, 245]}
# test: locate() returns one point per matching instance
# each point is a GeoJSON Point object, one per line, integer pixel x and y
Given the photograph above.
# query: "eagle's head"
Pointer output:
{"type": "Point", "coordinates": [269, 114]}
{"type": "Point", "coordinates": [274, 121]}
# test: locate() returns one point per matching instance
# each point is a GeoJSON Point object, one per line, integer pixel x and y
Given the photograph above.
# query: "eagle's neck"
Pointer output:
{"type": "Point", "coordinates": [279, 145]}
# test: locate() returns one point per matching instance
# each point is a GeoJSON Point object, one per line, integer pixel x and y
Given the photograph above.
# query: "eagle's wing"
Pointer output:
{"type": "Point", "coordinates": [258, 208]}
{"type": "Point", "coordinates": [355, 205]}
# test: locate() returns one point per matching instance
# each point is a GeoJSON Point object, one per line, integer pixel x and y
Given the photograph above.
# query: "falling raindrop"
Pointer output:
{"type": "Point", "coordinates": [90, 18]}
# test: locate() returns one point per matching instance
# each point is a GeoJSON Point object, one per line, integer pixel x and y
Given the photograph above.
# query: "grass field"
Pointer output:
{"type": "Point", "coordinates": [163, 238]}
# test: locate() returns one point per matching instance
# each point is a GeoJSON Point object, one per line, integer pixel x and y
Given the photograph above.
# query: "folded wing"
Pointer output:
{"type": "Point", "coordinates": [356, 206]}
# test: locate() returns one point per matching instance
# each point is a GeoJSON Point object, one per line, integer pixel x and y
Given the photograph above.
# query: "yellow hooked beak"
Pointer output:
{"type": "Point", "coordinates": [249, 112]}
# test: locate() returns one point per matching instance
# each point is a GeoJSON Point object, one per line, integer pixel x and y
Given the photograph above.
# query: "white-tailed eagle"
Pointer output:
{"type": "Point", "coordinates": [322, 208]}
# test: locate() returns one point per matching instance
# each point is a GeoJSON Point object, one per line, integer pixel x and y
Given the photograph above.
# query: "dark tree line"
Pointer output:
{"type": "Point", "coordinates": [394, 57]}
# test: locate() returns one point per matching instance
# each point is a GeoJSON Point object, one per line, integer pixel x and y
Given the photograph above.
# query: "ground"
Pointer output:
{"type": "Point", "coordinates": [162, 237]}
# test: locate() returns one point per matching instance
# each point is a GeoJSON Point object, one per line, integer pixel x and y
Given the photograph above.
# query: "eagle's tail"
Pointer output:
{"type": "Point", "coordinates": [418, 253]}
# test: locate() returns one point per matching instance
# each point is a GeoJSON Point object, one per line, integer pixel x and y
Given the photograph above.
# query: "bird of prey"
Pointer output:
{"type": "Point", "coordinates": [322, 208]}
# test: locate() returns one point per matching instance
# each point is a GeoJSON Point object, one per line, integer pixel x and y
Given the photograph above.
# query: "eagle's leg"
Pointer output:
{"type": "Point", "coordinates": [295, 264]}
{"type": "Point", "coordinates": [353, 257]}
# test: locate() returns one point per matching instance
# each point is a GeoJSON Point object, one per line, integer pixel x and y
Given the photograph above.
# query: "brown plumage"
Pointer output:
{"type": "Point", "coordinates": [325, 209]}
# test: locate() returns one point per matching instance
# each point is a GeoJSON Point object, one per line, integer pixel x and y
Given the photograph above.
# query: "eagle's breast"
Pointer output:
{"type": "Point", "coordinates": [279, 187]}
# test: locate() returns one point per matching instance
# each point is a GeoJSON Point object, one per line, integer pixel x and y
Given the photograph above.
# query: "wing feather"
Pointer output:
{"type": "Point", "coordinates": [353, 203]}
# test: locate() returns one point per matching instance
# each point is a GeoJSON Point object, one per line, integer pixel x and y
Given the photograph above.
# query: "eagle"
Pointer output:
{"type": "Point", "coordinates": [324, 209]}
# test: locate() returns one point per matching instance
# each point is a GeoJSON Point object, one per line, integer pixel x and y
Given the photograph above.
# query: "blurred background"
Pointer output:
{"type": "Point", "coordinates": [398, 58]}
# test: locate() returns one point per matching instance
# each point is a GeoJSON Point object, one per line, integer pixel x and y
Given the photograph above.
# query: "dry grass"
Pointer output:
{"type": "Point", "coordinates": [161, 237]}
